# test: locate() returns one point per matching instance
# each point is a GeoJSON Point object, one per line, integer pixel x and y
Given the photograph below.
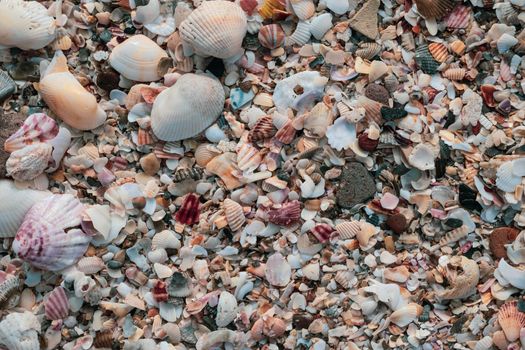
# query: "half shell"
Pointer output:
{"type": "Point", "coordinates": [234, 214]}
{"type": "Point", "coordinates": [511, 320]}
{"type": "Point", "coordinates": [19, 331]}
{"type": "Point", "coordinates": [37, 127]}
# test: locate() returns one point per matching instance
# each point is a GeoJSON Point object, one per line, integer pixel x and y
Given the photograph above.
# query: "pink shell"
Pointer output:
{"type": "Point", "coordinates": [288, 214]}
{"type": "Point", "coordinates": [271, 36]}
{"type": "Point", "coordinates": [459, 17]}
{"type": "Point", "coordinates": [42, 240]}
{"type": "Point", "coordinates": [36, 128]}
{"type": "Point", "coordinates": [57, 304]}
{"type": "Point", "coordinates": [322, 232]}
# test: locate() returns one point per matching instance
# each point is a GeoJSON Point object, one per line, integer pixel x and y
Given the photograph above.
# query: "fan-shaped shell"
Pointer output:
{"type": "Point", "coordinates": [511, 320]}
{"type": "Point", "coordinates": [368, 50]}
{"type": "Point", "coordinates": [278, 271]}
{"type": "Point", "coordinates": [459, 17]}
{"type": "Point", "coordinates": [137, 58]}
{"type": "Point", "coordinates": [300, 36]}
{"type": "Point", "coordinates": [303, 9]}
{"type": "Point", "coordinates": [271, 36]}
{"type": "Point", "coordinates": [19, 331]}
{"type": "Point", "coordinates": [439, 51]}
{"type": "Point", "coordinates": [262, 129]}
{"type": "Point", "coordinates": [405, 315]}
{"type": "Point", "coordinates": [25, 24]}
{"type": "Point", "coordinates": [204, 153]}
{"type": "Point", "coordinates": [187, 108]}
{"type": "Point", "coordinates": [27, 163]}
{"type": "Point", "coordinates": [42, 240]}
{"type": "Point", "coordinates": [288, 214]}
{"type": "Point", "coordinates": [37, 127]}
{"type": "Point", "coordinates": [434, 8]}
{"type": "Point", "coordinates": [348, 229]}
{"type": "Point", "coordinates": [166, 240]}
{"type": "Point", "coordinates": [234, 214]}
{"type": "Point", "coordinates": [320, 25]}
{"type": "Point", "coordinates": [455, 73]}
{"type": "Point", "coordinates": [270, 7]}
{"type": "Point", "coordinates": [248, 157]}
{"type": "Point", "coordinates": [67, 98]}
{"type": "Point", "coordinates": [57, 304]}
{"type": "Point", "coordinates": [215, 28]}
{"type": "Point", "coordinates": [9, 292]}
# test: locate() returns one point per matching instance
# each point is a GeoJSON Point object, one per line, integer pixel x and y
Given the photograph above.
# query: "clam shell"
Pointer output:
{"type": "Point", "coordinates": [434, 8]}
{"type": "Point", "coordinates": [27, 163]}
{"type": "Point", "coordinates": [187, 108]}
{"type": "Point", "coordinates": [204, 153]}
{"type": "Point", "coordinates": [216, 28]}
{"type": "Point", "coordinates": [37, 127]}
{"type": "Point", "coordinates": [165, 240]}
{"type": "Point", "coordinates": [234, 214]}
{"type": "Point", "coordinates": [278, 272]}
{"type": "Point", "coordinates": [505, 178]}
{"type": "Point", "coordinates": [137, 58]}
{"type": "Point", "coordinates": [25, 24]}
{"type": "Point", "coordinates": [225, 167]}
{"type": "Point", "coordinates": [262, 129]}
{"type": "Point", "coordinates": [511, 320]}
{"type": "Point", "coordinates": [406, 315]}
{"type": "Point", "coordinates": [439, 51]}
{"type": "Point", "coordinates": [320, 25]}
{"type": "Point", "coordinates": [226, 309]}
{"type": "Point", "coordinates": [42, 241]}
{"type": "Point", "coordinates": [455, 73]}
{"type": "Point", "coordinates": [422, 157]}
{"type": "Point", "coordinates": [365, 20]}
{"type": "Point", "coordinates": [67, 98]}
{"type": "Point", "coordinates": [271, 36]}
{"type": "Point", "coordinates": [56, 304]}
{"type": "Point", "coordinates": [304, 9]}
{"type": "Point", "coordinates": [19, 331]}
{"type": "Point", "coordinates": [300, 36]}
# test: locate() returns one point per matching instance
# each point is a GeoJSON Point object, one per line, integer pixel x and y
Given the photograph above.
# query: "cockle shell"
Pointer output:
{"type": "Point", "coordinates": [270, 8]}
{"type": "Point", "coordinates": [189, 211]}
{"type": "Point", "coordinates": [14, 204]}
{"type": "Point", "coordinates": [434, 8]}
{"type": "Point", "coordinates": [27, 163]}
{"type": "Point", "coordinates": [439, 51]}
{"type": "Point", "coordinates": [225, 167]}
{"type": "Point", "coordinates": [271, 36]}
{"type": "Point", "coordinates": [300, 36]}
{"type": "Point", "coordinates": [320, 25]}
{"type": "Point", "coordinates": [216, 28]}
{"type": "Point", "coordinates": [226, 309]}
{"type": "Point", "coordinates": [67, 98]}
{"type": "Point", "coordinates": [511, 320]}
{"type": "Point", "coordinates": [248, 157]}
{"type": "Point", "coordinates": [348, 229]}
{"type": "Point", "coordinates": [25, 24]}
{"type": "Point", "coordinates": [204, 153]}
{"type": "Point", "coordinates": [56, 304]}
{"type": "Point", "coordinates": [303, 9]}
{"type": "Point", "coordinates": [42, 240]}
{"type": "Point", "coordinates": [368, 50]}
{"type": "Point", "coordinates": [137, 58]}
{"type": "Point", "coordinates": [455, 73]}
{"type": "Point", "coordinates": [262, 129]}
{"type": "Point", "coordinates": [234, 214]}
{"type": "Point", "coordinates": [459, 17]}
{"type": "Point", "coordinates": [19, 331]}
{"type": "Point", "coordinates": [187, 108]}
{"type": "Point", "coordinates": [288, 214]}
{"type": "Point", "coordinates": [9, 290]}
{"type": "Point", "coordinates": [464, 284]}
{"type": "Point", "coordinates": [278, 272]}
{"type": "Point", "coordinates": [37, 127]}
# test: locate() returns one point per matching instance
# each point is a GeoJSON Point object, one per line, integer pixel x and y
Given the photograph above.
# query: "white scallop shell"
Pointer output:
{"type": "Point", "coordinates": [137, 58]}
{"type": "Point", "coordinates": [19, 331]}
{"type": "Point", "coordinates": [25, 24]}
{"type": "Point", "coordinates": [13, 214]}
{"type": "Point", "coordinates": [320, 25]}
{"type": "Point", "coordinates": [505, 178]}
{"type": "Point", "coordinates": [303, 9]}
{"type": "Point", "coordinates": [216, 28]}
{"type": "Point", "coordinates": [518, 167]}
{"type": "Point", "coordinates": [187, 108]}
{"type": "Point", "coordinates": [166, 240]}
{"type": "Point", "coordinates": [234, 214]}
{"type": "Point", "coordinates": [226, 309]}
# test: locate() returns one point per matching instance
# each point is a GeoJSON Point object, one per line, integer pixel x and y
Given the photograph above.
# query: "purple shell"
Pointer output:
{"type": "Point", "coordinates": [57, 304]}
{"type": "Point", "coordinates": [288, 214]}
{"type": "Point", "coordinates": [37, 127]}
{"type": "Point", "coordinates": [459, 17]}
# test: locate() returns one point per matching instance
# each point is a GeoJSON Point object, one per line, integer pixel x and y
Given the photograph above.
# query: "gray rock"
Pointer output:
{"type": "Point", "coordinates": [357, 186]}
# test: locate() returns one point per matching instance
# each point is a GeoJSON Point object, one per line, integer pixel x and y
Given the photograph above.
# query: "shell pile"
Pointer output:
{"type": "Point", "coordinates": [262, 174]}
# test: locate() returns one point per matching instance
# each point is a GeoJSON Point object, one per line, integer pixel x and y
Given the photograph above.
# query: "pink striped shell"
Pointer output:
{"type": "Point", "coordinates": [459, 18]}
{"type": "Point", "coordinates": [271, 36]}
{"type": "Point", "coordinates": [56, 305]}
{"type": "Point", "coordinates": [37, 127]}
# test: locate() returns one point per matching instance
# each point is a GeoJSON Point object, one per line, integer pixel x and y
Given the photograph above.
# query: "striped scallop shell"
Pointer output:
{"type": "Point", "coordinates": [457, 46]}
{"type": "Point", "coordinates": [439, 51]}
{"type": "Point", "coordinates": [300, 36]}
{"type": "Point", "coordinates": [434, 8]}
{"type": "Point", "coordinates": [204, 153]}
{"type": "Point", "coordinates": [368, 50]}
{"type": "Point", "coordinates": [303, 9]}
{"type": "Point", "coordinates": [234, 214]}
{"type": "Point", "coordinates": [459, 18]}
{"type": "Point", "coordinates": [511, 320]}
{"type": "Point", "coordinates": [262, 129]}
{"type": "Point", "coordinates": [56, 304]}
{"type": "Point", "coordinates": [344, 278]}
{"type": "Point", "coordinates": [27, 163]}
{"type": "Point", "coordinates": [455, 73]}
{"type": "Point", "coordinates": [348, 229]}
{"type": "Point", "coordinates": [90, 265]}
{"type": "Point", "coordinates": [271, 36]}
{"type": "Point", "coordinates": [37, 127]}
{"type": "Point", "coordinates": [372, 109]}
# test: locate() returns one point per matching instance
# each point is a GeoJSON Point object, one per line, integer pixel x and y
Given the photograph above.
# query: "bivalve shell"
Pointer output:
{"type": "Point", "coordinates": [511, 320]}
{"type": "Point", "coordinates": [37, 127]}
{"type": "Point", "coordinates": [271, 36]}
{"type": "Point", "coordinates": [304, 9]}
{"type": "Point", "coordinates": [27, 163]}
{"type": "Point", "coordinates": [57, 304]}
{"type": "Point", "coordinates": [19, 331]}
{"type": "Point", "coordinates": [434, 8]}
{"type": "Point", "coordinates": [234, 214]}
{"type": "Point", "coordinates": [439, 51]}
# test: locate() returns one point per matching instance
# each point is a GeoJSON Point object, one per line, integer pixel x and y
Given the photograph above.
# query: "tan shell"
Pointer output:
{"type": "Point", "coordinates": [405, 315]}
{"type": "Point", "coordinates": [225, 166]}
{"type": "Point", "coordinates": [248, 157]}
{"type": "Point", "coordinates": [204, 153]}
{"type": "Point", "coordinates": [464, 284]}
{"type": "Point", "coordinates": [511, 320]}
{"type": "Point", "coordinates": [343, 278]}
{"type": "Point", "coordinates": [90, 265]}
{"type": "Point", "coordinates": [455, 73]}
{"type": "Point", "coordinates": [368, 50]}
{"type": "Point", "coordinates": [365, 20]}
{"type": "Point", "coordinates": [439, 51]}
{"type": "Point", "coordinates": [27, 163]}
{"type": "Point", "coordinates": [234, 214]}
{"type": "Point", "coordinates": [215, 28]}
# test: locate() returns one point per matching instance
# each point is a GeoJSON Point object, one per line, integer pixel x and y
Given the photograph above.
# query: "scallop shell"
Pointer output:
{"type": "Point", "coordinates": [278, 272]}
{"type": "Point", "coordinates": [216, 28]}
{"type": "Point", "coordinates": [303, 9]}
{"type": "Point", "coordinates": [288, 214]}
{"type": "Point", "coordinates": [67, 98]}
{"type": "Point", "coordinates": [372, 109]}
{"type": "Point", "coordinates": [42, 240]}
{"type": "Point", "coordinates": [19, 331]}
{"type": "Point", "coordinates": [37, 127]}
{"type": "Point", "coordinates": [225, 167]}
{"type": "Point", "coordinates": [27, 163]}
{"type": "Point", "coordinates": [271, 36]}
{"type": "Point", "coordinates": [90, 265]}
{"type": "Point", "coordinates": [300, 36]}
{"type": "Point", "coordinates": [271, 7]}
{"type": "Point", "coordinates": [407, 314]}
{"type": "Point", "coordinates": [459, 18]}
{"type": "Point", "coordinates": [365, 20]}
{"type": "Point", "coordinates": [204, 153]}
{"type": "Point", "coordinates": [434, 8]}
{"type": "Point", "coordinates": [348, 229]}
{"type": "Point", "coordinates": [187, 108]}
{"type": "Point", "coordinates": [368, 51]}
{"type": "Point", "coordinates": [511, 320]}
{"type": "Point", "coordinates": [137, 58]}
{"type": "Point", "coordinates": [320, 25]}
{"type": "Point", "coordinates": [13, 214]}
{"type": "Point", "coordinates": [7, 86]}
{"type": "Point", "coordinates": [455, 73]}
{"type": "Point", "coordinates": [9, 292]}
{"type": "Point", "coordinates": [226, 309]}
{"type": "Point", "coordinates": [505, 178]}
{"type": "Point", "coordinates": [25, 24]}
{"type": "Point", "coordinates": [248, 158]}
{"type": "Point", "coordinates": [234, 214]}
{"type": "Point", "coordinates": [56, 304]}
{"type": "Point", "coordinates": [189, 211]}
{"type": "Point", "coordinates": [439, 51]}
{"type": "Point", "coordinates": [262, 129]}
{"type": "Point", "coordinates": [344, 278]}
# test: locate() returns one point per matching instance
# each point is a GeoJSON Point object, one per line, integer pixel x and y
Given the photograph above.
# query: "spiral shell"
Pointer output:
{"type": "Point", "coordinates": [234, 214]}
{"type": "Point", "coordinates": [27, 163]}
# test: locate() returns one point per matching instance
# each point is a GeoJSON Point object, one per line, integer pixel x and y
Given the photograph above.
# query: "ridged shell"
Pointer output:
{"type": "Point", "coordinates": [303, 9]}
{"type": "Point", "coordinates": [57, 304]}
{"type": "Point", "coordinates": [225, 167]}
{"type": "Point", "coordinates": [459, 18]}
{"type": "Point", "coordinates": [405, 315]}
{"type": "Point", "coordinates": [9, 292]}
{"type": "Point", "coordinates": [271, 36]}
{"type": "Point", "coordinates": [7, 86]}
{"type": "Point", "coordinates": [234, 214]}
{"type": "Point", "coordinates": [42, 240]}
{"type": "Point", "coordinates": [137, 58]}
{"type": "Point", "coordinates": [320, 25]}
{"type": "Point", "coordinates": [67, 98]}
{"type": "Point", "coordinates": [262, 129]}
{"type": "Point", "coordinates": [300, 36]}
{"type": "Point", "coordinates": [343, 278]}
{"type": "Point", "coordinates": [434, 8]}
{"type": "Point", "coordinates": [25, 24]}
{"type": "Point", "coordinates": [372, 109]}
{"type": "Point", "coordinates": [248, 157]}
{"type": "Point", "coordinates": [90, 265]}
{"type": "Point", "coordinates": [348, 229]}
{"type": "Point", "coordinates": [455, 73]}
{"type": "Point", "coordinates": [27, 163]}
{"type": "Point", "coordinates": [194, 173]}
{"type": "Point", "coordinates": [425, 60]}
{"type": "Point", "coordinates": [215, 28]}
{"type": "Point", "coordinates": [439, 51]}
{"type": "Point", "coordinates": [204, 153]}
{"type": "Point", "coordinates": [189, 211]}
{"type": "Point", "coordinates": [14, 204]}
{"type": "Point", "coordinates": [270, 7]}
{"type": "Point", "coordinates": [37, 127]}
{"type": "Point", "coordinates": [187, 108]}
{"type": "Point", "coordinates": [19, 331]}
{"type": "Point", "coordinates": [368, 50]}
{"type": "Point", "coordinates": [365, 20]}
{"type": "Point", "coordinates": [103, 339]}
{"type": "Point", "coordinates": [511, 320]}
{"type": "Point", "coordinates": [288, 214]}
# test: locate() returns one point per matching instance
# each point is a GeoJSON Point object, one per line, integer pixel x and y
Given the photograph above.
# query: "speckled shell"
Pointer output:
{"type": "Point", "coordinates": [425, 61]}
{"type": "Point", "coordinates": [27, 163]}
{"type": "Point", "coordinates": [137, 58]}
{"type": "Point", "coordinates": [25, 24]}
{"type": "Point", "coordinates": [234, 214]}
{"type": "Point", "coordinates": [19, 331]}
{"type": "Point", "coordinates": [56, 304]}
{"type": "Point", "coordinates": [434, 8]}
{"type": "Point", "coordinates": [14, 204]}
{"type": "Point", "coordinates": [42, 240]}
{"type": "Point", "coordinates": [511, 320]}
{"type": "Point", "coordinates": [271, 36]}
{"type": "Point", "coordinates": [187, 108]}
{"type": "Point", "coordinates": [438, 51]}
{"type": "Point", "coordinates": [215, 28]}
{"type": "Point", "coordinates": [67, 98]}
{"type": "Point", "coordinates": [37, 127]}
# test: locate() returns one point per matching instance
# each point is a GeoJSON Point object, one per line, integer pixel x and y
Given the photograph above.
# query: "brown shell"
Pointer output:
{"type": "Point", "coordinates": [262, 129]}
{"type": "Point", "coordinates": [377, 93]}
{"type": "Point", "coordinates": [439, 51]}
{"type": "Point", "coordinates": [368, 50]}
{"type": "Point", "coordinates": [103, 340]}
{"type": "Point", "coordinates": [455, 73]}
{"type": "Point", "coordinates": [499, 238]}
{"type": "Point", "coordinates": [434, 8]}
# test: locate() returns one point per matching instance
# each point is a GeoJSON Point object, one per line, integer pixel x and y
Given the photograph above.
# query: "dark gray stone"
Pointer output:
{"type": "Point", "coordinates": [357, 186]}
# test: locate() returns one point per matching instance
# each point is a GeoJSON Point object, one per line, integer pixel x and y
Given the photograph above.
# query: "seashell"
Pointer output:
{"type": "Point", "coordinates": [499, 238]}
{"type": "Point", "coordinates": [344, 278]}
{"type": "Point", "coordinates": [234, 214]}
{"type": "Point", "coordinates": [303, 9]}
{"type": "Point", "coordinates": [458, 47]}
{"type": "Point", "coordinates": [464, 284]}
{"type": "Point", "coordinates": [365, 234]}
{"type": "Point", "coordinates": [271, 327]}
{"type": "Point", "coordinates": [137, 58]}
{"type": "Point", "coordinates": [377, 93]}
{"type": "Point", "coordinates": [425, 60]}
{"type": "Point", "coordinates": [27, 163]}
{"type": "Point", "coordinates": [248, 158]}
{"type": "Point", "coordinates": [56, 304]}
{"type": "Point", "coordinates": [286, 134]}
{"type": "Point", "coordinates": [434, 8]}
{"type": "Point", "coordinates": [271, 36]}
{"type": "Point", "coordinates": [7, 86]}
{"type": "Point", "coordinates": [103, 339]}
{"type": "Point", "coordinates": [348, 229]}
{"type": "Point", "coordinates": [204, 153]}
{"type": "Point", "coordinates": [365, 20]}
{"type": "Point", "coordinates": [26, 25]}
{"type": "Point", "coordinates": [407, 41]}
{"type": "Point", "coordinates": [407, 314]}
{"type": "Point", "coordinates": [278, 272]}
{"type": "Point", "coordinates": [372, 109]}
{"type": "Point", "coordinates": [90, 265]}
{"type": "Point", "coordinates": [511, 320]}
{"type": "Point", "coordinates": [342, 134]}
{"type": "Point", "coordinates": [422, 157]}
{"type": "Point", "coordinates": [226, 309]}
{"type": "Point", "coordinates": [13, 215]}
{"type": "Point", "coordinates": [320, 25]}
{"type": "Point", "coordinates": [211, 340]}
{"type": "Point", "coordinates": [312, 85]}
{"type": "Point", "coordinates": [225, 167]}
{"type": "Point", "coordinates": [459, 18]}
{"type": "Point", "coordinates": [270, 7]}
{"type": "Point", "coordinates": [300, 36]}
{"type": "Point", "coordinates": [439, 51]}
{"type": "Point", "coordinates": [19, 331]}
{"type": "Point", "coordinates": [187, 108]}
{"type": "Point", "coordinates": [67, 98]}
{"type": "Point", "coordinates": [146, 13]}
{"type": "Point", "coordinates": [165, 239]}
{"type": "Point", "coordinates": [42, 240]}
{"type": "Point", "coordinates": [500, 340]}
{"type": "Point", "coordinates": [288, 214]}
{"type": "Point", "coordinates": [188, 213]}
{"type": "Point", "coordinates": [263, 129]}
{"type": "Point", "coordinates": [506, 42]}
{"type": "Point", "coordinates": [317, 121]}
{"type": "Point", "coordinates": [368, 51]}
{"type": "Point", "coordinates": [391, 83]}
{"type": "Point", "coordinates": [216, 28]}
{"type": "Point", "coordinates": [505, 178]}
{"type": "Point", "coordinates": [322, 232]}
{"type": "Point", "coordinates": [377, 70]}
{"type": "Point", "coordinates": [484, 343]}
{"type": "Point", "coordinates": [184, 174]}
{"type": "Point", "coordinates": [455, 73]}
{"type": "Point", "coordinates": [240, 98]}
{"type": "Point", "coordinates": [37, 128]}
{"type": "Point", "coordinates": [512, 275]}
{"type": "Point", "coordinates": [399, 274]}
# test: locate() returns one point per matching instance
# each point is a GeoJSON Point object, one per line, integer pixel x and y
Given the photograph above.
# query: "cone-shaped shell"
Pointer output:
{"type": "Point", "coordinates": [234, 214]}
{"type": "Point", "coordinates": [187, 108]}
{"type": "Point", "coordinates": [19, 331]}
{"type": "Point", "coordinates": [511, 320]}
{"type": "Point", "coordinates": [25, 24]}
{"type": "Point", "coordinates": [67, 98]}
{"type": "Point", "coordinates": [215, 28]}
{"type": "Point", "coordinates": [137, 58]}
{"type": "Point", "coordinates": [42, 240]}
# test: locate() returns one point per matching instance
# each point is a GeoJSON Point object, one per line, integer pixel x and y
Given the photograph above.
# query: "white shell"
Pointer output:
{"type": "Point", "coordinates": [166, 240]}
{"type": "Point", "coordinates": [278, 271]}
{"type": "Point", "coordinates": [312, 83]}
{"type": "Point", "coordinates": [234, 214]}
{"type": "Point", "coordinates": [505, 178]}
{"type": "Point", "coordinates": [187, 108]}
{"type": "Point", "coordinates": [25, 24]}
{"type": "Point", "coordinates": [226, 309]}
{"type": "Point", "coordinates": [137, 58]}
{"type": "Point", "coordinates": [19, 331]}
{"type": "Point", "coordinates": [216, 28]}
{"type": "Point", "coordinates": [27, 163]}
{"type": "Point", "coordinates": [13, 215]}
{"type": "Point", "coordinates": [300, 36]}
{"type": "Point", "coordinates": [147, 13]}
{"type": "Point", "coordinates": [510, 274]}
{"type": "Point", "coordinates": [303, 9]}
{"type": "Point", "coordinates": [516, 250]}
{"type": "Point", "coordinates": [342, 134]}
{"type": "Point", "coordinates": [422, 157]}
{"type": "Point", "coordinates": [320, 25]}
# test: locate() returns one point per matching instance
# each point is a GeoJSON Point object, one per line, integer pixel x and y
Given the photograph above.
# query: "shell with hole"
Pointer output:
{"type": "Point", "coordinates": [67, 98]}
{"type": "Point", "coordinates": [137, 58]}
{"type": "Point", "coordinates": [25, 24]}
{"type": "Point", "coordinates": [216, 28]}
{"type": "Point", "coordinates": [187, 108]}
